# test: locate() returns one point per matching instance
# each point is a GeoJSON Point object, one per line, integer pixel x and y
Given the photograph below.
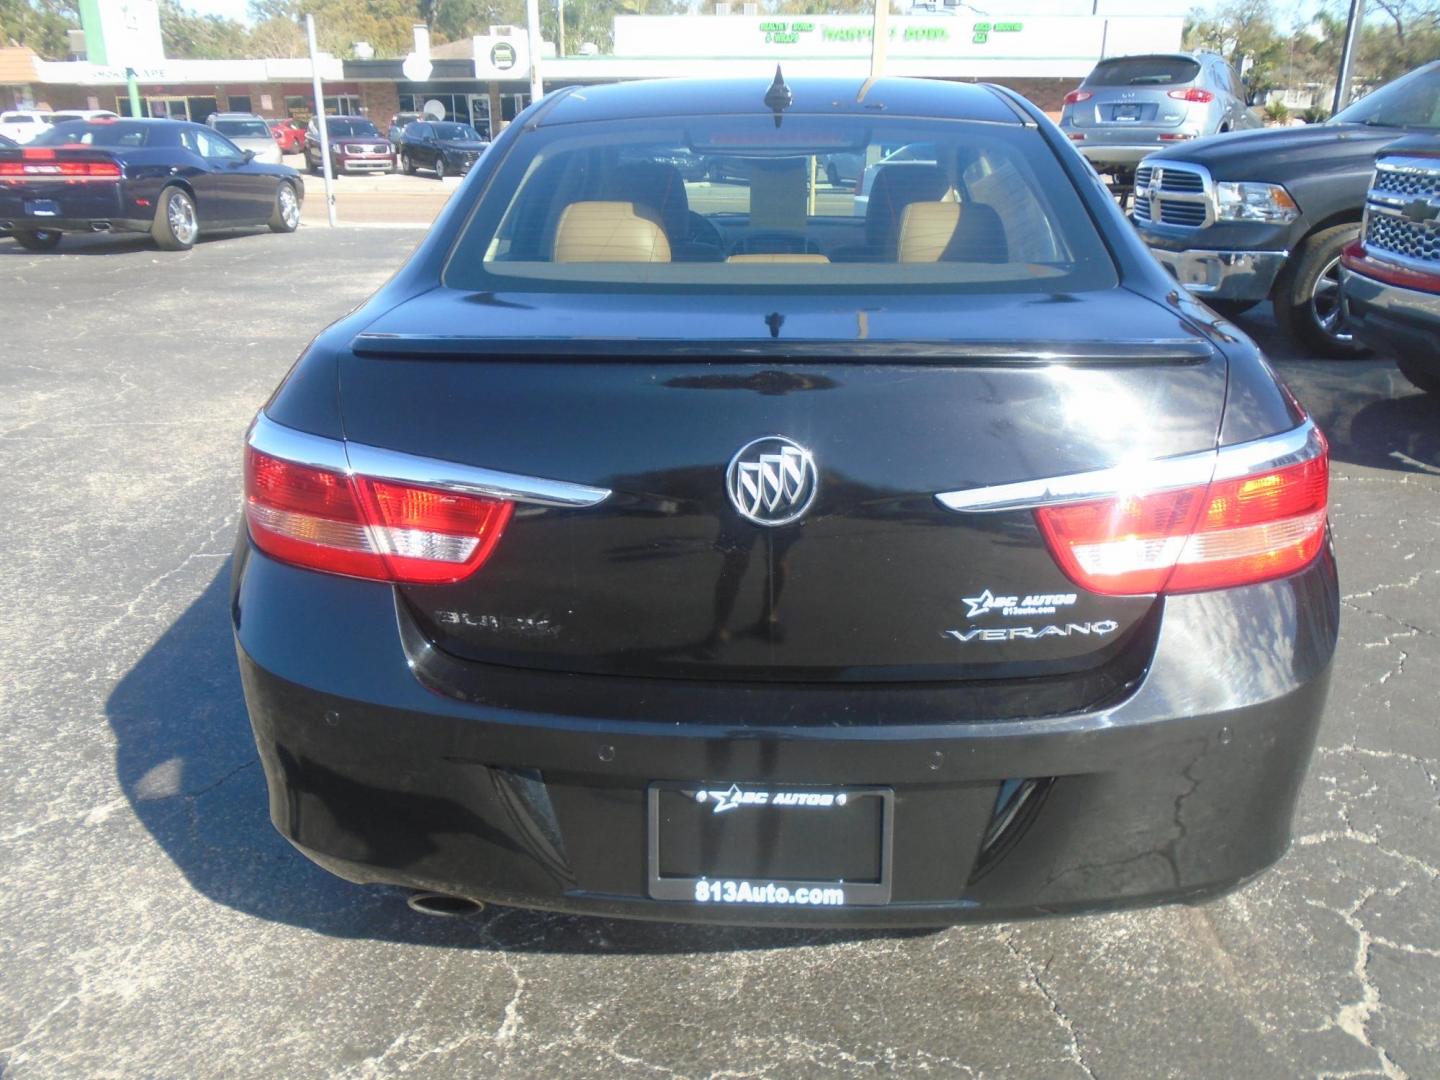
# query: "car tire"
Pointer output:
{"type": "Point", "coordinates": [1231, 308]}
{"type": "Point", "coordinates": [176, 225]}
{"type": "Point", "coordinates": [1421, 378]}
{"type": "Point", "coordinates": [1307, 294]}
{"type": "Point", "coordinates": [440, 168]}
{"type": "Point", "coordinates": [38, 240]}
{"type": "Point", "coordinates": [285, 214]}
{"type": "Point", "coordinates": [407, 166]}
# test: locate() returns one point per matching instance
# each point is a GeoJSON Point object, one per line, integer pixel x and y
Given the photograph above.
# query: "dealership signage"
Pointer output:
{"type": "Point", "coordinates": [841, 37]}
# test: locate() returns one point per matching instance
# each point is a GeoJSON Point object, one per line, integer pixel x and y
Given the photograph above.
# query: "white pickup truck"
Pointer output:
{"type": "Point", "coordinates": [22, 125]}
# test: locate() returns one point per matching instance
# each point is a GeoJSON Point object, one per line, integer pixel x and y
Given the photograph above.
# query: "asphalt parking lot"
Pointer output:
{"type": "Point", "coordinates": [152, 923]}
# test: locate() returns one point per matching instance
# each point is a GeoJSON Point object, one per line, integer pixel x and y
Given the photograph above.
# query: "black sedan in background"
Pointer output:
{"type": "Point", "coordinates": [169, 178]}
{"type": "Point", "coordinates": [653, 550]}
{"type": "Point", "coordinates": [445, 148]}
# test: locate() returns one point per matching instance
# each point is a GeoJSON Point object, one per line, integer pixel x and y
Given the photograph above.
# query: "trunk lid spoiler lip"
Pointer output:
{"type": "Point", "coordinates": [1124, 351]}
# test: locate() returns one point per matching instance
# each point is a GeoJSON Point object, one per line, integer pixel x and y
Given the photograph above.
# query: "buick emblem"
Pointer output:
{"type": "Point", "coordinates": [771, 481]}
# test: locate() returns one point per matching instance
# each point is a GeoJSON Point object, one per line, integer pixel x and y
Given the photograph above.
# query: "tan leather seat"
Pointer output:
{"type": "Point", "coordinates": [610, 232]}
{"type": "Point", "coordinates": [926, 230]}
{"type": "Point", "coordinates": [779, 257]}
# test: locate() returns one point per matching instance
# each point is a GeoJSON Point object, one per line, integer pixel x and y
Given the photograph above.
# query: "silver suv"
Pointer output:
{"type": "Point", "coordinates": [1130, 106]}
{"type": "Point", "coordinates": [248, 131]}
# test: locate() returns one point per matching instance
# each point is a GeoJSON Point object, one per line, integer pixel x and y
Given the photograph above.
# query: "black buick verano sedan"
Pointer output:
{"type": "Point", "coordinates": [700, 550]}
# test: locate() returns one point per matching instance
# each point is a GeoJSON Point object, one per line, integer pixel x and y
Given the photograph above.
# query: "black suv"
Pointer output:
{"type": "Point", "coordinates": [1259, 215]}
{"type": "Point", "coordinates": [444, 147]}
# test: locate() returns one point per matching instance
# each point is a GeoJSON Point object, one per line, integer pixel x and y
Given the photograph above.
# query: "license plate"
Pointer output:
{"type": "Point", "coordinates": [735, 845]}
{"type": "Point", "coordinates": [1127, 112]}
{"type": "Point", "coordinates": [42, 208]}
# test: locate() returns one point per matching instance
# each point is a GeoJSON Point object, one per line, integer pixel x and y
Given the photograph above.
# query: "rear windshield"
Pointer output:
{"type": "Point", "coordinates": [335, 126]}
{"type": "Point", "coordinates": [1144, 71]}
{"type": "Point", "coordinates": [735, 202]}
{"type": "Point", "coordinates": [89, 133]}
{"type": "Point", "coordinates": [243, 129]}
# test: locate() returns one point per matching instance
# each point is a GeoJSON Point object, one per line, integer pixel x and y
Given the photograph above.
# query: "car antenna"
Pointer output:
{"type": "Point", "coordinates": [778, 97]}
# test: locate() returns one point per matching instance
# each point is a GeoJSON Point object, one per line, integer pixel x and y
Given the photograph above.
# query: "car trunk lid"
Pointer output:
{"type": "Point", "coordinates": [895, 400]}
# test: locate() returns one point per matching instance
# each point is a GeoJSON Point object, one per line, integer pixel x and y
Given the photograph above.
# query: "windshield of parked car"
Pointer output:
{"type": "Point", "coordinates": [736, 202]}
{"type": "Point", "coordinates": [90, 133]}
{"type": "Point", "coordinates": [1144, 71]}
{"type": "Point", "coordinates": [243, 129]}
{"type": "Point", "coordinates": [456, 132]}
{"type": "Point", "coordinates": [338, 126]}
{"type": "Point", "coordinates": [1411, 101]}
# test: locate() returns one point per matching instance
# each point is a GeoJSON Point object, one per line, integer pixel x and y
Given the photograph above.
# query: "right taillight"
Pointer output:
{"type": "Point", "coordinates": [1248, 524]}
{"type": "Point", "coordinates": [360, 526]}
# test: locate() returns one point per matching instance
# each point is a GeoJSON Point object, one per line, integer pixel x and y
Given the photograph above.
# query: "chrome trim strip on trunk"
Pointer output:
{"type": "Point", "coordinates": [347, 457]}
{"type": "Point", "coordinates": [1163, 474]}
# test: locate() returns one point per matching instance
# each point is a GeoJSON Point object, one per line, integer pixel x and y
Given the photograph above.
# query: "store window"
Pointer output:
{"type": "Point", "coordinates": [239, 103]}
{"type": "Point", "coordinates": [343, 105]}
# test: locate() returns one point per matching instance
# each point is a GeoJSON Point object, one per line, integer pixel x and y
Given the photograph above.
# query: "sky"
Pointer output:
{"type": "Point", "coordinates": [235, 9]}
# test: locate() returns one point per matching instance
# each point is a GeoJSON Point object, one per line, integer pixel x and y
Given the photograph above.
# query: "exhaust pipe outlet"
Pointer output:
{"type": "Point", "coordinates": [444, 905]}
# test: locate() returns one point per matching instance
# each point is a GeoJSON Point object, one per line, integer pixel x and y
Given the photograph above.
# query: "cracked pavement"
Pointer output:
{"type": "Point", "coordinates": [152, 922]}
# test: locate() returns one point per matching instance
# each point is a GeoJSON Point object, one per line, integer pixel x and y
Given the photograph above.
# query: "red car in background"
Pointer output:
{"type": "Point", "coordinates": [290, 134]}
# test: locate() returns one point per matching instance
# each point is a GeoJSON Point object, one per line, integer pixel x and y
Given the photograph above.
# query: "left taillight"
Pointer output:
{"type": "Point", "coordinates": [342, 522]}
{"type": "Point", "coordinates": [1252, 522]}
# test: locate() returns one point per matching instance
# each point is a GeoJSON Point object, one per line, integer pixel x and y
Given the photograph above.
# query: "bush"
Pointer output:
{"type": "Point", "coordinates": [1316, 115]}
{"type": "Point", "coordinates": [1277, 112]}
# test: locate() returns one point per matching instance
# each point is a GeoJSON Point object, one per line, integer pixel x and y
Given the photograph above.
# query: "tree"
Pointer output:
{"type": "Point", "coordinates": [188, 36]}
{"type": "Point", "coordinates": [41, 25]}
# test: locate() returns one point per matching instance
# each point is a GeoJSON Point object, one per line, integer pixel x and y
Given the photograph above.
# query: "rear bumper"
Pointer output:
{"type": "Point", "coordinates": [1392, 320]}
{"type": "Point", "coordinates": [1224, 275]}
{"type": "Point", "coordinates": [73, 225]}
{"type": "Point", "coordinates": [533, 791]}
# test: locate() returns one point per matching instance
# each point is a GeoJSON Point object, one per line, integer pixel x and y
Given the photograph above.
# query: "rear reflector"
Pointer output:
{"type": "Point", "coordinates": [1247, 525]}
{"type": "Point", "coordinates": [360, 526]}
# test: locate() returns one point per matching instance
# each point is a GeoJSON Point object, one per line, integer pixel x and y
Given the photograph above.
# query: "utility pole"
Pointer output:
{"type": "Point", "coordinates": [532, 22]}
{"type": "Point", "coordinates": [560, 19]}
{"type": "Point", "coordinates": [879, 38]}
{"type": "Point", "coordinates": [320, 116]}
{"type": "Point", "coordinates": [1347, 56]}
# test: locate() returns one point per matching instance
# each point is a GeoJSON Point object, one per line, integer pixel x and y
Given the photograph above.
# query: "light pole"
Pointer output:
{"type": "Point", "coordinates": [320, 116]}
{"type": "Point", "coordinates": [1347, 55]}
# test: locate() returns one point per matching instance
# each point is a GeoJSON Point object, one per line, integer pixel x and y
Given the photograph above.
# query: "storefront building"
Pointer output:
{"type": "Point", "coordinates": [485, 82]}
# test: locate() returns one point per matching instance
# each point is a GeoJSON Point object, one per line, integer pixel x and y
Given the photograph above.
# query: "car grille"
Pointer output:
{"type": "Point", "coordinates": [1172, 194]}
{"type": "Point", "coordinates": [1392, 234]}
{"type": "Point", "coordinates": [1171, 179]}
{"type": "Point", "coordinates": [1416, 183]}
{"type": "Point", "coordinates": [1402, 218]}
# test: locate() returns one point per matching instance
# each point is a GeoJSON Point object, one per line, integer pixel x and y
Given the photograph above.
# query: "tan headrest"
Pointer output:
{"type": "Point", "coordinates": [779, 257]}
{"type": "Point", "coordinates": [926, 229]}
{"type": "Point", "coordinates": [610, 232]}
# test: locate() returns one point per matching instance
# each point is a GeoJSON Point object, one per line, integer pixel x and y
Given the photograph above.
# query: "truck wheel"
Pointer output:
{"type": "Point", "coordinates": [285, 217]}
{"type": "Point", "coordinates": [175, 226]}
{"type": "Point", "coordinates": [1307, 294]}
{"type": "Point", "coordinates": [1427, 379]}
{"type": "Point", "coordinates": [41, 240]}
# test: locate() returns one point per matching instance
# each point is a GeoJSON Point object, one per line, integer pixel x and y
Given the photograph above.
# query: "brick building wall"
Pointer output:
{"type": "Point", "coordinates": [379, 101]}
